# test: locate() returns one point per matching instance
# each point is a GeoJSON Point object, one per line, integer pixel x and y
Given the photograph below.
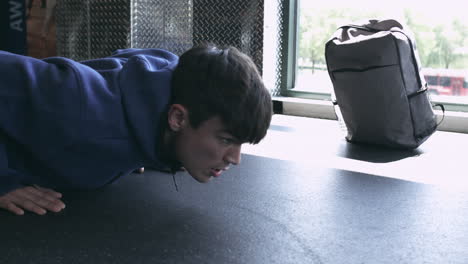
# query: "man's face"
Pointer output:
{"type": "Point", "coordinates": [208, 150]}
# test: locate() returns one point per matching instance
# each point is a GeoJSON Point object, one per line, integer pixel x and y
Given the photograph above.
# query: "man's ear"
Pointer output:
{"type": "Point", "coordinates": [177, 117]}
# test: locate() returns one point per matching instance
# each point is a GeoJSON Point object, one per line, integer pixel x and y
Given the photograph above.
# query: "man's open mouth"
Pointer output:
{"type": "Point", "coordinates": [217, 172]}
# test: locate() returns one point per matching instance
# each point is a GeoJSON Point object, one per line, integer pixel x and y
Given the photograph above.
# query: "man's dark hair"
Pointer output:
{"type": "Point", "coordinates": [224, 82]}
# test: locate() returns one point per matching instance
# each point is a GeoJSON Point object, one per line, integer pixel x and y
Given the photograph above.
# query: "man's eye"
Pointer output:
{"type": "Point", "coordinates": [227, 140]}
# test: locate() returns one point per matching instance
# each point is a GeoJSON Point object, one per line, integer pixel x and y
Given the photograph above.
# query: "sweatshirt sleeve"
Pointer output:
{"type": "Point", "coordinates": [53, 108]}
{"type": "Point", "coordinates": [41, 109]}
{"type": "Point", "coordinates": [9, 179]}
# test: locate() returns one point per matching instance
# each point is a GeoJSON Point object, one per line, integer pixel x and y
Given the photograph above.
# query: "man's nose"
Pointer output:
{"type": "Point", "coordinates": [233, 155]}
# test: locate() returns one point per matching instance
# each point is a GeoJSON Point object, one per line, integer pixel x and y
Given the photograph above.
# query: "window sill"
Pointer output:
{"type": "Point", "coordinates": [452, 122]}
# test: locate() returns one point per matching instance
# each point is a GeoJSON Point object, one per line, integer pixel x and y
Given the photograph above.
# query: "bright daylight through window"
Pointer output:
{"type": "Point", "coordinates": [440, 30]}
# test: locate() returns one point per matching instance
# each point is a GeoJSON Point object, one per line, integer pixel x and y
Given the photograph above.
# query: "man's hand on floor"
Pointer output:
{"type": "Point", "coordinates": [32, 198]}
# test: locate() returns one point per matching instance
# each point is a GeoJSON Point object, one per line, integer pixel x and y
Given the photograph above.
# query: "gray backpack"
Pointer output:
{"type": "Point", "coordinates": [379, 91]}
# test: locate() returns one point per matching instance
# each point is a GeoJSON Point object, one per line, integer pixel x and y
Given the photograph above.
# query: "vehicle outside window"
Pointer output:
{"type": "Point", "coordinates": [446, 82]}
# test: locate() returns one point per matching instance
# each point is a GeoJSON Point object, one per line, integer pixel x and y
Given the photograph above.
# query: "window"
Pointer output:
{"type": "Point", "coordinates": [440, 30]}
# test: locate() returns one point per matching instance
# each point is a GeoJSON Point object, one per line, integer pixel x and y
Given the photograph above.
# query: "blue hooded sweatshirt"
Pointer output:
{"type": "Point", "coordinates": [81, 125]}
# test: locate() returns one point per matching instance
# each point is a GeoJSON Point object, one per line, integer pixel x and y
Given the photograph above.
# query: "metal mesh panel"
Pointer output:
{"type": "Point", "coordinates": [275, 48]}
{"type": "Point", "coordinates": [283, 46]}
{"type": "Point", "coordinates": [109, 24]}
{"type": "Point", "coordinates": [226, 22]}
{"type": "Point", "coordinates": [162, 24]}
{"type": "Point", "coordinates": [72, 28]}
{"type": "Point", "coordinates": [92, 28]}
{"type": "Point", "coordinates": [95, 28]}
